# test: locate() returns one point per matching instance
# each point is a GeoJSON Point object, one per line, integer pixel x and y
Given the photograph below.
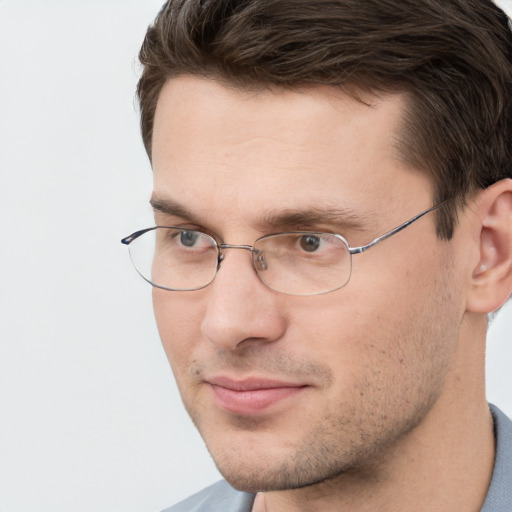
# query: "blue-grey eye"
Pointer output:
{"type": "Point", "coordinates": [189, 238]}
{"type": "Point", "coordinates": [309, 243]}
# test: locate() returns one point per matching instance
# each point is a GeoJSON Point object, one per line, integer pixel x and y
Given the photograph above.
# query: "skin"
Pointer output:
{"type": "Point", "coordinates": [392, 402]}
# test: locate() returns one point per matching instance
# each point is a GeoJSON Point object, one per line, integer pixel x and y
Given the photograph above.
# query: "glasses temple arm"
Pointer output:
{"type": "Point", "coordinates": [357, 250]}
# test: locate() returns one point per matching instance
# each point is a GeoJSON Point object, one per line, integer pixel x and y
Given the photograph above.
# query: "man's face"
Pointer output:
{"type": "Point", "coordinates": [287, 390]}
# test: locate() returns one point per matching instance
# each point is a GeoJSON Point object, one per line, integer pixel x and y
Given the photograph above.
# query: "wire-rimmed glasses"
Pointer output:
{"type": "Point", "coordinates": [294, 262]}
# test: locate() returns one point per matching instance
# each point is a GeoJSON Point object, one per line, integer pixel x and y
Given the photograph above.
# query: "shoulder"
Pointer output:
{"type": "Point", "coordinates": [499, 495]}
{"type": "Point", "coordinates": [219, 497]}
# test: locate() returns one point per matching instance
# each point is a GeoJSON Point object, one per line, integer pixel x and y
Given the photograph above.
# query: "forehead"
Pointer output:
{"type": "Point", "coordinates": [228, 151]}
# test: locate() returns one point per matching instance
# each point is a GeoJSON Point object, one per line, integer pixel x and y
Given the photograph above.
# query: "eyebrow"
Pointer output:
{"type": "Point", "coordinates": [170, 207]}
{"type": "Point", "coordinates": [336, 217]}
{"type": "Point", "coordinates": [288, 219]}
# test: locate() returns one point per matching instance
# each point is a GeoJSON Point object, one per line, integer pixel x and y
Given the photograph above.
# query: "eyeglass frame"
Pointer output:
{"type": "Point", "coordinates": [351, 250]}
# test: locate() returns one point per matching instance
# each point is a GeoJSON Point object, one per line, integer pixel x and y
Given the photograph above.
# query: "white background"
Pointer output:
{"type": "Point", "coordinates": [90, 420]}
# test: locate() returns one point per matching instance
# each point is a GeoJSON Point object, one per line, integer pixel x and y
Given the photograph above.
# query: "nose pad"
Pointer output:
{"type": "Point", "coordinates": [259, 261]}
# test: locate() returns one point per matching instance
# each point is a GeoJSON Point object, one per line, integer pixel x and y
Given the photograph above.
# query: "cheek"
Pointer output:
{"type": "Point", "coordinates": [400, 278]}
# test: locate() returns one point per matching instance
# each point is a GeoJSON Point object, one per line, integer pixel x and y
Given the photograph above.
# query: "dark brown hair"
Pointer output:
{"type": "Point", "coordinates": [453, 59]}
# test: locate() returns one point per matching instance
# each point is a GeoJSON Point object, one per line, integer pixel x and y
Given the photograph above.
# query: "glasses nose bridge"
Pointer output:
{"type": "Point", "coordinates": [258, 260]}
{"type": "Point", "coordinates": [249, 248]}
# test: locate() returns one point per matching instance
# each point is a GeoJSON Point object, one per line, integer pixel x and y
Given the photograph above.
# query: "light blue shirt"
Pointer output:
{"type": "Point", "coordinates": [221, 497]}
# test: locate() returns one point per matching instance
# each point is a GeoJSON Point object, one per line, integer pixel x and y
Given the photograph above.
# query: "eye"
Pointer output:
{"type": "Point", "coordinates": [189, 238]}
{"type": "Point", "coordinates": [309, 243]}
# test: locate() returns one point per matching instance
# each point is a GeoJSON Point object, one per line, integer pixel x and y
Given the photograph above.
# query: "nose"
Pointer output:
{"type": "Point", "coordinates": [240, 307]}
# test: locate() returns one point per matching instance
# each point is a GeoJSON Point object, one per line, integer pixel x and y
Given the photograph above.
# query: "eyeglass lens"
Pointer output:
{"type": "Point", "coordinates": [293, 263]}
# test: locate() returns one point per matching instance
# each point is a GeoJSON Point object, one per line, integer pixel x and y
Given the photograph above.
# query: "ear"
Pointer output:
{"type": "Point", "coordinates": [491, 283]}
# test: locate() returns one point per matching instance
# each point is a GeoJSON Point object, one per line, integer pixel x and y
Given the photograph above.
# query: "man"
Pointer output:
{"type": "Point", "coordinates": [333, 190]}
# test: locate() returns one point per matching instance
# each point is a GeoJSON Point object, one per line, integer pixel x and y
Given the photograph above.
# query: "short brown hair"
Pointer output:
{"type": "Point", "coordinates": [453, 58]}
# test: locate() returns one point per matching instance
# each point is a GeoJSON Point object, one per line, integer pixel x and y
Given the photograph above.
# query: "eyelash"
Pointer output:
{"type": "Point", "coordinates": [201, 229]}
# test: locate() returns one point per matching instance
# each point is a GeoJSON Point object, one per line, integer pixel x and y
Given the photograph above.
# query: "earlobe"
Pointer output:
{"type": "Point", "coordinates": [491, 282]}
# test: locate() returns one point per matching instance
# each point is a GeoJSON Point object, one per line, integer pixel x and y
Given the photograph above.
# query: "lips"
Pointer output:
{"type": "Point", "coordinates": [251, 396]}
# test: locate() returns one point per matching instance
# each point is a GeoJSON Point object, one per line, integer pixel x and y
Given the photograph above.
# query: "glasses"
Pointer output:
{"type": "Point", "coordinates": [294, 263]}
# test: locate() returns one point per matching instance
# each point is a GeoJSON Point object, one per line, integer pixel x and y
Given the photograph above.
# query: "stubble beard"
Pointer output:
{"type": "Point", "coordinates": [336, 448]}
{"type": "Point", "coordinates": [351, 440]}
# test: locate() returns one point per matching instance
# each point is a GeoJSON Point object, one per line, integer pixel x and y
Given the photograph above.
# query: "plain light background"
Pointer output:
{"type": "Point", "coordinates": [90, 420]}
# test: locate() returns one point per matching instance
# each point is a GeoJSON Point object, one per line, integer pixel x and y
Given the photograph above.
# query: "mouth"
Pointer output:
{"type": "Point", "coordinates": [251, 396]}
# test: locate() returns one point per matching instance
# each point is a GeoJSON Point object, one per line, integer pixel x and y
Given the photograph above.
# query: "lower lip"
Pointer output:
{"type": "Point", "coordinates": [253, 401]}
